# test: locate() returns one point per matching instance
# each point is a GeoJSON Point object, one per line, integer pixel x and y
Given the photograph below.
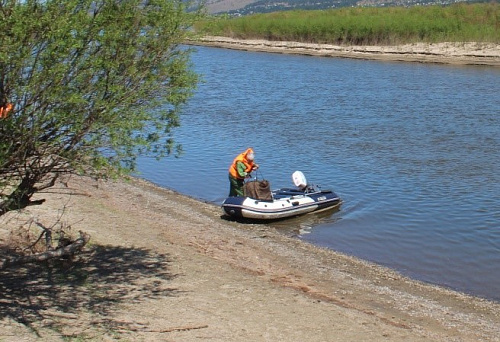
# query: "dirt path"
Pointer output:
{"type": "Point", "coordinates": [165, 267]}
{"type": "Point", "coordinates": [441, 53]}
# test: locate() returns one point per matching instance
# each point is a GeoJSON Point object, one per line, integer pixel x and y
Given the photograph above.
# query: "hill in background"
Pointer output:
{"type": "Point", "coordinates": [243, 7]}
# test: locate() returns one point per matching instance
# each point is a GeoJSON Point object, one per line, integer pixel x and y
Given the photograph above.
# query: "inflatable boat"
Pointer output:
{"type": "Point", "coordinates": [282, 203]}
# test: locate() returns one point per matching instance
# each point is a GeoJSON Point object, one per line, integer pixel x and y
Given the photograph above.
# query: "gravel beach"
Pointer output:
{"type": "Point", "coordinates": [161, 266]}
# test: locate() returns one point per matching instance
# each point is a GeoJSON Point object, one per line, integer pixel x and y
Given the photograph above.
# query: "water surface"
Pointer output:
{"type": "Point", "coordinates": [411, 148]}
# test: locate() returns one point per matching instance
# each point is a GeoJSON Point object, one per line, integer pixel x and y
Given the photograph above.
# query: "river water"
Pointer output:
{"type": "Point", "coordinates": [412, 149]}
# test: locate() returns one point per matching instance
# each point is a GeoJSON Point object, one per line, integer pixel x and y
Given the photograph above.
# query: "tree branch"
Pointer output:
{"type": "Point", "coordinates": [68, 250]}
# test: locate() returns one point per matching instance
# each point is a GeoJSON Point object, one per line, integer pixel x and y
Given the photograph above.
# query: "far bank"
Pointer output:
{"type": "Point", "coordinates": [486, 54]}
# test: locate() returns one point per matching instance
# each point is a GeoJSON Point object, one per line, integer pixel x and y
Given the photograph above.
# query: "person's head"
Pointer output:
{"type": "Point", "coordinates": [250, 155]}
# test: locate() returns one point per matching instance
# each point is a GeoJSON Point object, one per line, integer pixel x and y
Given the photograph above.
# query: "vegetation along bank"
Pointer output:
{"type": "Point", "coordinates": [365, 26]}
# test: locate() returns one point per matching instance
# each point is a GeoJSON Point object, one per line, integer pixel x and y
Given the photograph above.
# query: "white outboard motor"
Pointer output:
{"type": "Point", "coordinates": [299, 180]}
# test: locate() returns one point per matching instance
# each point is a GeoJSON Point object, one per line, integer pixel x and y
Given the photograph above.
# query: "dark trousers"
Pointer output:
{"type": "Point", "coordinates": [236, 186]}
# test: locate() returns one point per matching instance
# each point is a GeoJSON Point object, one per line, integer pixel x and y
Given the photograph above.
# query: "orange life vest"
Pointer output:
{"type": "Point", "coordinates": [242, 157]}
{"type": "Point", "coordinates": [4, 110]}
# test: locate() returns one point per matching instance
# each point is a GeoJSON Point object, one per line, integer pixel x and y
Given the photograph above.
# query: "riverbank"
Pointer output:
{"type": "Point", "coordinates": [487, 54]}
{"type": "Point", "coordinates": [166, 267]}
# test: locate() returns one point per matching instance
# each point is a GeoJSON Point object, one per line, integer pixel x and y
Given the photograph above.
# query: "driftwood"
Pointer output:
{"type": "Point", "coordinates": [166, 330]}
{"type": "Point", "coordinates": [69, 250]}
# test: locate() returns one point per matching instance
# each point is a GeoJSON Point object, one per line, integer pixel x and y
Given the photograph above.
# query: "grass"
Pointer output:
{"type": "Point", "coordinates": [366, 26]}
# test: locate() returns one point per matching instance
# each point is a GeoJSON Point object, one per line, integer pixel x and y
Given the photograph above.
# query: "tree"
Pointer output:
{"type": "Point", "coordinates": [93, 84]}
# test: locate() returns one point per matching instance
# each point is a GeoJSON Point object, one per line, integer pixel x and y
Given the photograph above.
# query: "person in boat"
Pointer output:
{"type": "Point", "coordinates": [240, 169]}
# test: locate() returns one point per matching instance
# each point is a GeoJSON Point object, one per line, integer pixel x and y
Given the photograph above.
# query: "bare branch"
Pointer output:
{"type": "Point", "coordinates": [68, 250]}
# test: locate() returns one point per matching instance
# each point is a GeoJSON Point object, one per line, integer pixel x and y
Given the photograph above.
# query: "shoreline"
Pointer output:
{"type": "Point", "coordinates": [181, 272]}
{"type": "Point", "coordinates": [484, 54]}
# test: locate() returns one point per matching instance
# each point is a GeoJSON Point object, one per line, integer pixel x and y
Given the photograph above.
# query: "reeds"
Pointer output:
{"type": "Point", "coordinates": [367, 26]}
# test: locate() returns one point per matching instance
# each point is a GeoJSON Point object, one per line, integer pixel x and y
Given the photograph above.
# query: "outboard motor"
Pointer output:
{"type": "Point", "coordinates": [299, 180]}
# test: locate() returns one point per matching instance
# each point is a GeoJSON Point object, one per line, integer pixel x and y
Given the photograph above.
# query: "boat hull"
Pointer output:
{"type": "Point", "coordinates": [285, 203]}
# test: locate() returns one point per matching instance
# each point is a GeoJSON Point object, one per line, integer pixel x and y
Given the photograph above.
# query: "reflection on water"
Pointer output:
{"type": "Point", "coordinates": [300, 225]}
{"type": "Point", "coordinates": [411, 149]}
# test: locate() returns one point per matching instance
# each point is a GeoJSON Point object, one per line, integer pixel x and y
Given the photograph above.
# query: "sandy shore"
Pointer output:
{"type": "Point", "coordinates": [166, 267]}
{"type": "Point", "coordinates": [444, 53]}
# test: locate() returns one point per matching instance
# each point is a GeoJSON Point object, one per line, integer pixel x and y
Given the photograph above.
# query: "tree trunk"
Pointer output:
{"type": "Point", "coordinates": [21, 196]}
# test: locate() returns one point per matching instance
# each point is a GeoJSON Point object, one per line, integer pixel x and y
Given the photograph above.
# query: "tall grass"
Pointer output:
{"type": "Point", "coordinates": [371, 26]}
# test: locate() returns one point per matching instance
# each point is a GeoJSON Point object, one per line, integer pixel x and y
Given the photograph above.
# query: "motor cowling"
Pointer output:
{"type": "Point", "coordinates": [299, 180]}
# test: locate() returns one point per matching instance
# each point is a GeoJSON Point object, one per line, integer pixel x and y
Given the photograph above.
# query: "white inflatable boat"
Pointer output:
{"type": "Point", "coordinates": [285, 202]}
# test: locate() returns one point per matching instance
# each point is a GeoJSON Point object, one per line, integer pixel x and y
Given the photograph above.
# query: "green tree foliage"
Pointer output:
{"type": "Point", "coordinates": [93, 83]}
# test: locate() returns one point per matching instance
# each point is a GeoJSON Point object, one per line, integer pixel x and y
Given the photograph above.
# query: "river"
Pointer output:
{"type": "Point", "coordinates": [412, 149]}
